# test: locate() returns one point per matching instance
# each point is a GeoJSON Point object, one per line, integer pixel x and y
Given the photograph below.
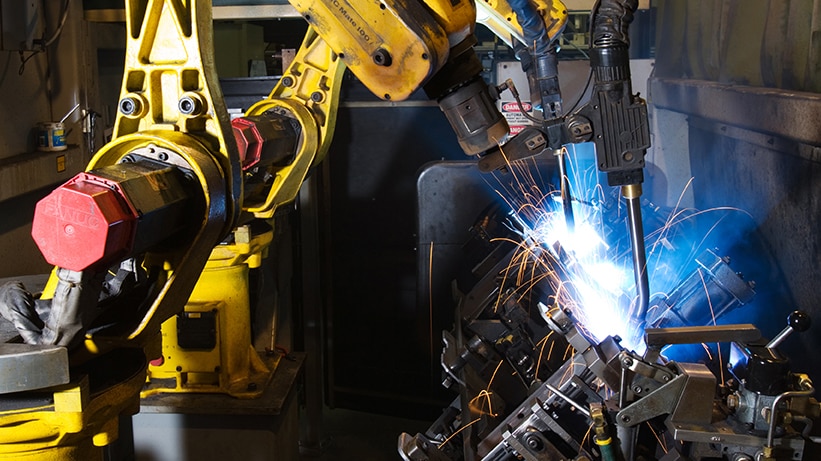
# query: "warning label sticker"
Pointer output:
{"type": "Point", "coordinates": [515, 118]}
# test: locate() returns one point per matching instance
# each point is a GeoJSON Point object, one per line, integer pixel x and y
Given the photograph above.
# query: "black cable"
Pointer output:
{"type": "Point", "coordinates": [590, 73]}
{"type": "Point", "coordinates": [45, 42]}
{"type": "Point", "coordinates": [583, 92]}
{"type": "Point", "coordinates": [24, 60]}
{"type": "Point", "coordinates": [508, 84]}
{"type": "Point", "coordinates": [63, 17]}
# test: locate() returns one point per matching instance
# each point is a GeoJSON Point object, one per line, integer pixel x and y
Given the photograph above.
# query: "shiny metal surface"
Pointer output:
{"type": "Point", "coordinates": [26, 367]}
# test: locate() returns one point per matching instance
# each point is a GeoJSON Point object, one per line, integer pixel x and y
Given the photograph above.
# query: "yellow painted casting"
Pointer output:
{"type": "Point", "coordinates": [392, 48]}
{"type": "Point", "coordinates": [74, 427]}
{"type": "Point", "coordinates": [233, 366]}
{"type": "Point", "coordinates": [497, 16]}
{"type": "Point", "coordinates": [309, 92]}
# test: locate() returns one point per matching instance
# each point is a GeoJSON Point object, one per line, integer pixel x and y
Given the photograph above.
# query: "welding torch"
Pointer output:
{"type": "Point", "coordinates": [540, 61]}
{"type": "Point", "coordinates": [616, 121]}
{"type": "Point", "coordinates": [613, 118]}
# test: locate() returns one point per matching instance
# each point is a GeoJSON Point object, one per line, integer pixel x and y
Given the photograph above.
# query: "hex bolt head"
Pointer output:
{"type": "Point", "coordinates": [534, 443]}
{"type": "Point", "coordinates": [129, 106]}
{"type": "Point", "coordinates": [382, 57]}
{"type": "Point", "coordinates": [189, 105]}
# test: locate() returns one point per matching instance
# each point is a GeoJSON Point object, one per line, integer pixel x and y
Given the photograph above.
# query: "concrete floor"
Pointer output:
{"type": "Point", "coordinates": [356, 436]}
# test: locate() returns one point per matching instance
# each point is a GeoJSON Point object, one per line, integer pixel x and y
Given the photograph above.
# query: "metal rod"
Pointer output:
{"type": "Point", "coordinates": [627, 436]}
{"type": "Point", "coordinates": [567, 399]}
{"type": "Point", "coordinates": [632, 193]}
{"type": "Point", "coordinates": [808, 391]}
{"type": "Point", "coordinates": [780, 337]}
{"type": "Point", "coordinates": [69, 112]}
{"type": "Point", "coordinates": [567, 199]}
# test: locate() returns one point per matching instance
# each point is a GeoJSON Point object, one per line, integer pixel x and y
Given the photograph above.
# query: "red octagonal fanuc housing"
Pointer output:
{"type": "Point", "coordinates": [85, 223]}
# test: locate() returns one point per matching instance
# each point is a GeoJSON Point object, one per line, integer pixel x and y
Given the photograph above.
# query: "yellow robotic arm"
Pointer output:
{"type": "Point", "coordinates": [130, 237]}
{"type": "Point", "coordinates": [499, 17]}
{"type": "Point", "coordinates": [395, 48]}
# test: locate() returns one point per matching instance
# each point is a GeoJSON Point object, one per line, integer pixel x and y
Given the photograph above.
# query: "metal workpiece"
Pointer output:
{"type": "Point", "coordinates": [557, 319]}
{"type": "Point", "coordinates": [659, 337]}
{"type": "Point", "coordinates": [751, 408]}
{"type": "Point", "coordinates": [682, 398]}
{"type": "Point", "coordinates": [452, 361]}
{"type": "Point", "coordinates": [601, 358]}
{"type": "Point", "coordinates": [713, 280]}
{"type": "Point", "coordinates": [645, 376]}
{"type": "Point", "coordinates": [532, 444]}
{"type": "Point", "coordinates": [725, 437]}
{"type": "Point", "coordinates": [419, 448]}
{"type": "Point", "coordinates": [527, 438]}
{"type": "Point", "coordinates": [547, 412]}
{"type": "Point", "coordinates": [27, 367]}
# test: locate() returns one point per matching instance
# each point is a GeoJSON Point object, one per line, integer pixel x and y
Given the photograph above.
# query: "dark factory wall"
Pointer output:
{"type": "Point", "coordinates": [747, 75]}
{"type": "Point", "coordinates": [762, 43]}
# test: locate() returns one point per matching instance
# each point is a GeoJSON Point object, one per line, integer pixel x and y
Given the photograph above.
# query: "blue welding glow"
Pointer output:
{"type": "Point", "coordinates": [595, 278]}
{"type": "Point", "coordinates": [595, 285]}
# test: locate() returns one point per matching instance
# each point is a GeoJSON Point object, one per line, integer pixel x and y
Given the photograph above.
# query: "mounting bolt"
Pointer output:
{"type": "Point", "coordinates": [287, 81]}
{"type": "Point", "coordinates": [131, 106]}
{"type": "Point", "coordinates": [382, 57]}
{"type": "Point", "coordinates": [191, 104]}
{"type": "Point", "coordinates": [534, 442]}
{"type": "Point", "coordinates": [627, 362]}
{"type": "Point", "coordinates": [317, 96]}
{"type": "Point", "coordinates": [625, 418]}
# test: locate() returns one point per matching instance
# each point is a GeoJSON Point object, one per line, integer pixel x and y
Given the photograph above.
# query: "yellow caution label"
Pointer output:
{"type": "Point", "coordinates": [61, 163]}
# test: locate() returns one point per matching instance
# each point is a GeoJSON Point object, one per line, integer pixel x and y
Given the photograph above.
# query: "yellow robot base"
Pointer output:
{"type": "Point", "coordinates": [208, 348]}
{"type": "Point", "coordinates": [74, 421]}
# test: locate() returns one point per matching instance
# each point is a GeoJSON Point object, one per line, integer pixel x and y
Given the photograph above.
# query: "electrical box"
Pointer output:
{"type": "Point", "coordinates": [20, 23]}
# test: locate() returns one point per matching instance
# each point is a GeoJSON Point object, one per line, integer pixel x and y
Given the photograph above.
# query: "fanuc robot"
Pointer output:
{"type": "Point", "coordinates": [181, 194]}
